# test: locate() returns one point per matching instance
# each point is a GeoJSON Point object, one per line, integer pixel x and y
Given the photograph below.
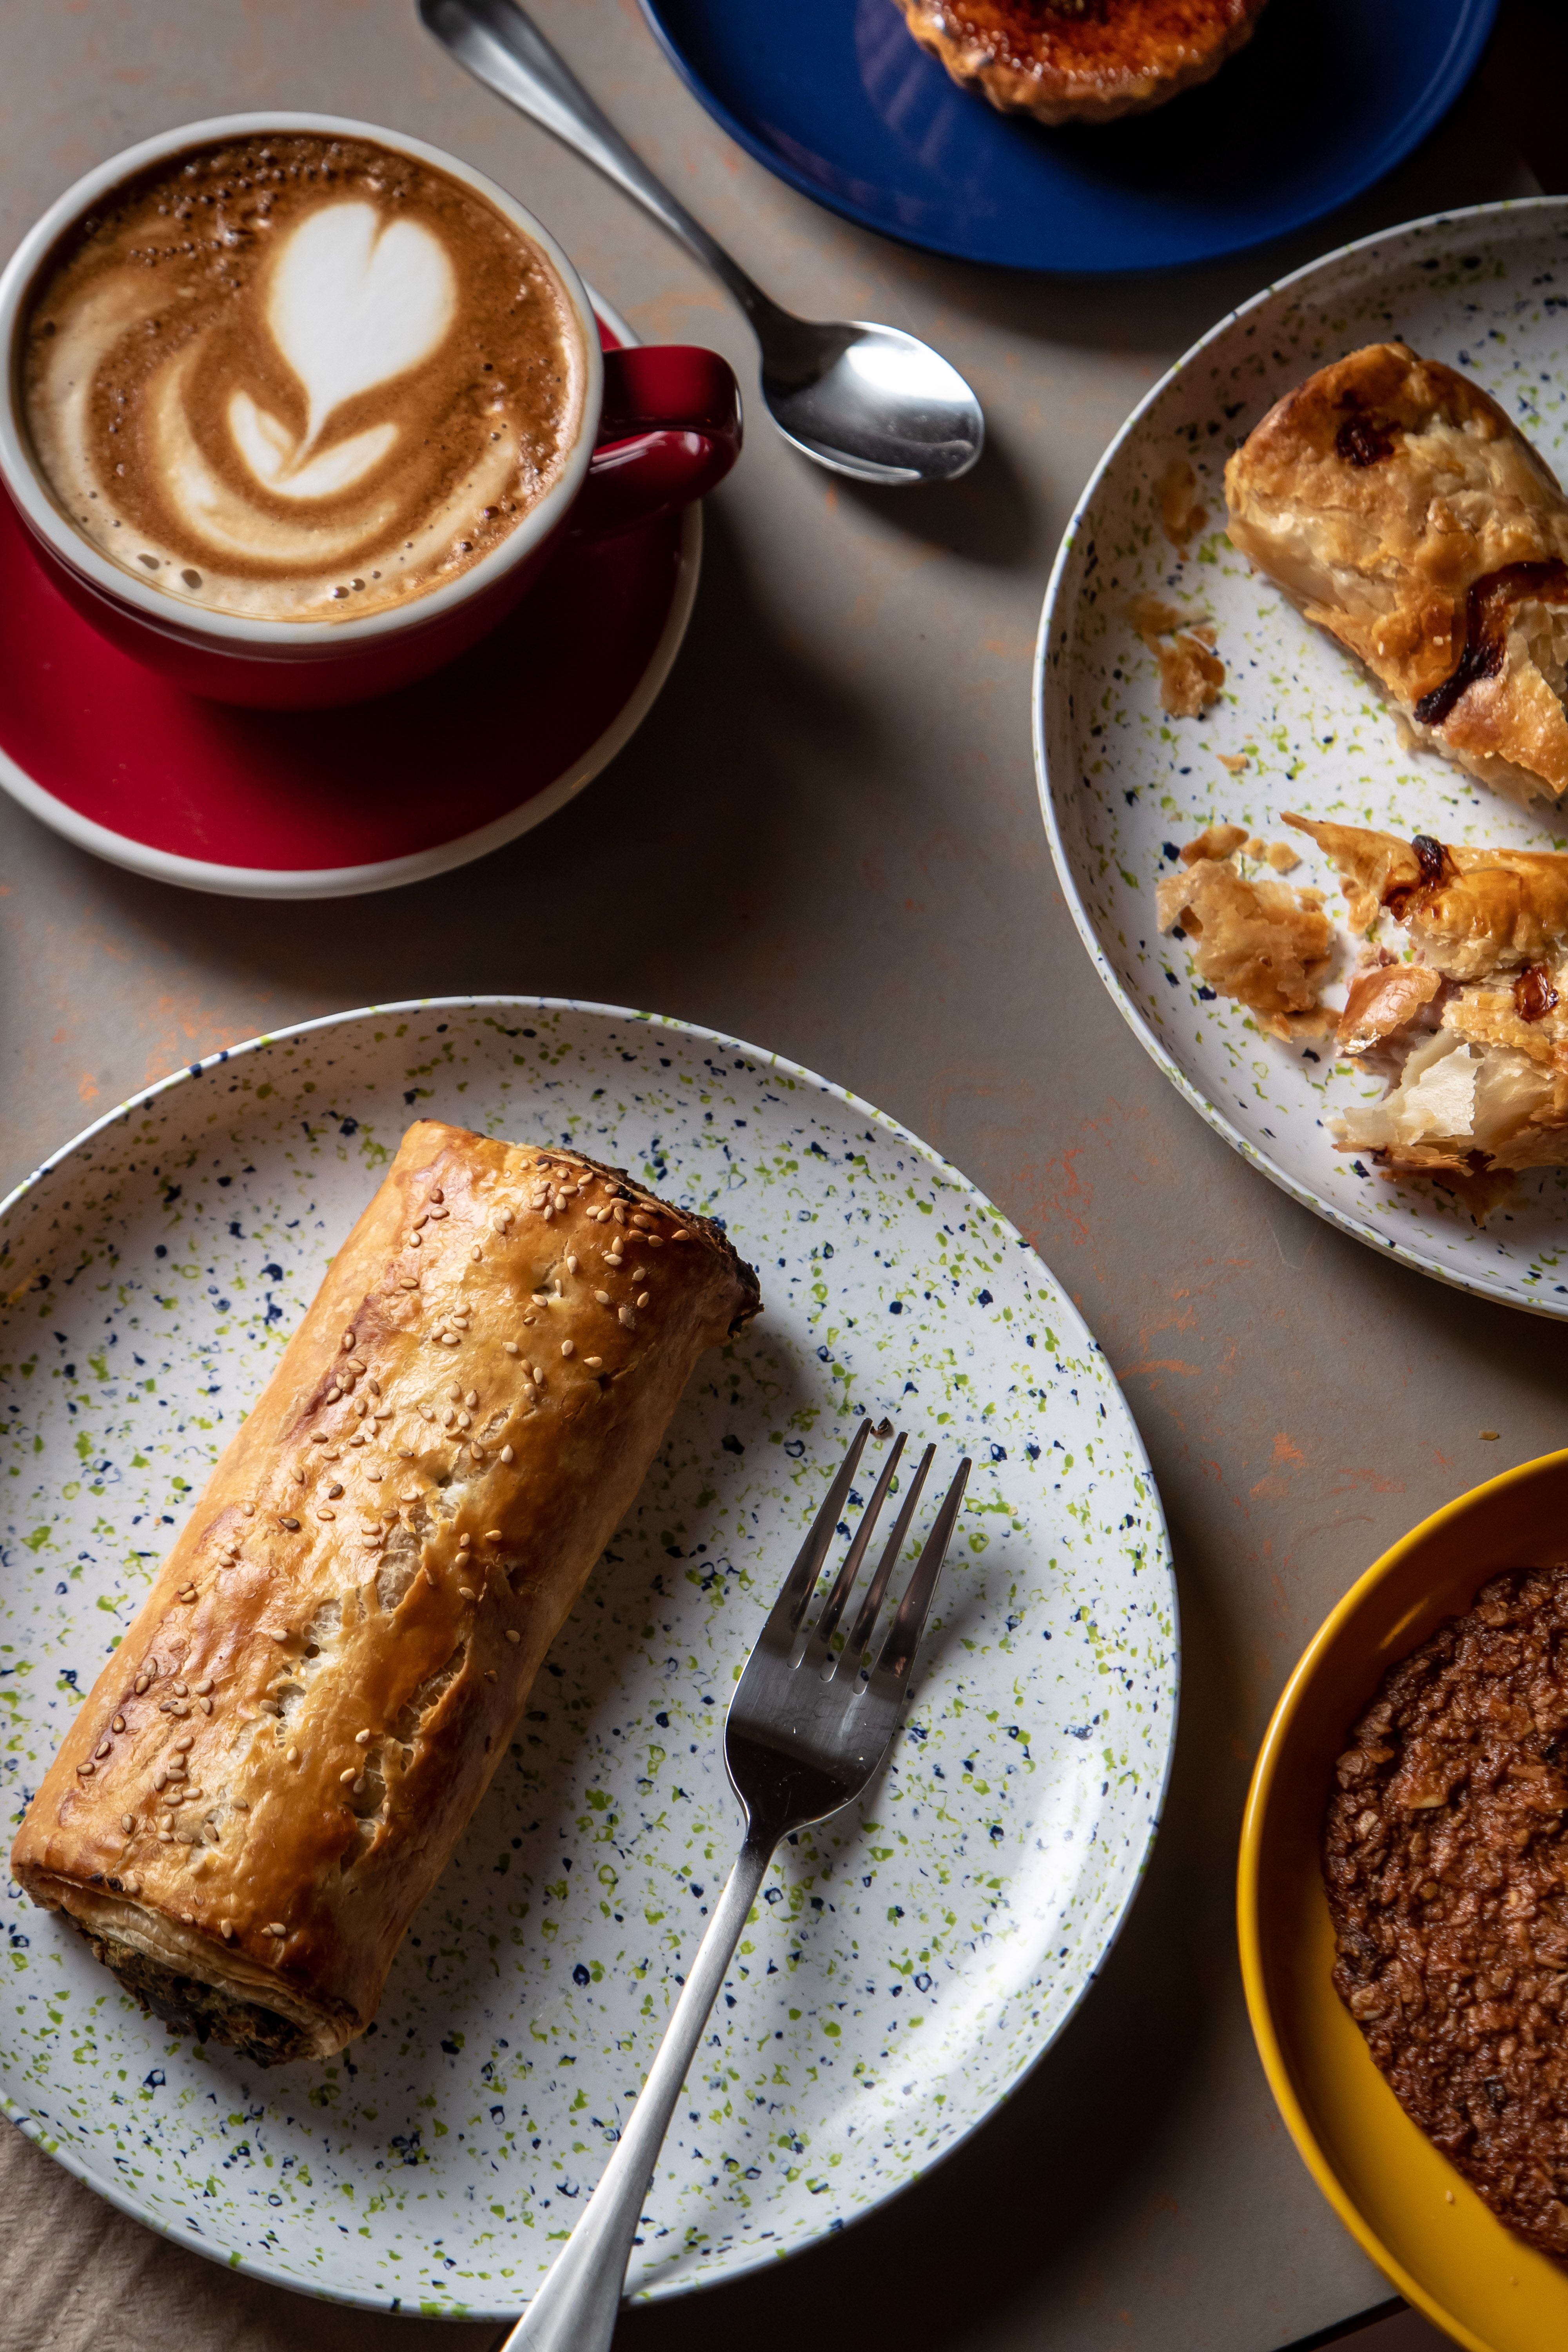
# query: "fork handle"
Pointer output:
{"type": "Point", "coordinates": [575, 2310]}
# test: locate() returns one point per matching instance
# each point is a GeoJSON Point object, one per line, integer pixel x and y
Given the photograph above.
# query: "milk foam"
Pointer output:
{"type": "Point", "coordinates": [279, 461]}
{"type": "Point", "coordinates": [354, 299]}
{"type": "Point", "coordinates": [348, 381]}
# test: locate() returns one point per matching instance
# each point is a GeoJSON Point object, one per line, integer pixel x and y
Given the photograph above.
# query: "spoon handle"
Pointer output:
{"type": "Point", "coordinates": [505, 50]}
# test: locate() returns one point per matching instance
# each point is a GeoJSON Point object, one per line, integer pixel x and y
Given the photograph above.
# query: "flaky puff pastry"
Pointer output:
{"type": "Point", "coordinates": [269, 1775]}
{"type": "Point", "coordinates": [1260, 941]}
{"type": "Point", "coordinates": [1473, 1035]}
{"type": "Point", "coordinates": [1403, 511]}
{"type": "Point", "coordinates": [1080, 61]}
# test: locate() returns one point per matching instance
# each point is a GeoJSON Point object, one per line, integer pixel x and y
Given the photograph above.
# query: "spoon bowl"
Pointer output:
{"type": "Point", "coordinates": [873, 403]}
{"type": "Point", "coordinates": [864, 399]}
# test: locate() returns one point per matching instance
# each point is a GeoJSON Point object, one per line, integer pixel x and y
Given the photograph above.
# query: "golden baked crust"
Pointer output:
{"type": "Point", "coordinates": [1403, 510]}
{"type": "Point", "coordinates": [1472, 913]}
{"type": "Point", "coordinates": [1080, 61]}
{"type": "Point", "coordinates": [1473, 1035]}
{"type": "Point", "coordinates": [269, 1775]}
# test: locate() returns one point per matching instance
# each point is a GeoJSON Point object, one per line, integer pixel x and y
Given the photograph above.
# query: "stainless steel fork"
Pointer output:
{"type": "Point", "coordinates": [807, 1728]}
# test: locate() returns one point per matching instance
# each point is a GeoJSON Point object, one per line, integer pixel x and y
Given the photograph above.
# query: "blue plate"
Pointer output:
{"type": "Point", "coordinates": [837, 98]}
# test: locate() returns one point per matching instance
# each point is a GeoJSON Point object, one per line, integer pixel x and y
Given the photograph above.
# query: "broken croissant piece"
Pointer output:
{"type": "Point", "coordinates": [1260, 941]}
{"type": "Point", "coordinates": [1473, 1035]}
{"type": "Point", "coordinates": [1403, 510]}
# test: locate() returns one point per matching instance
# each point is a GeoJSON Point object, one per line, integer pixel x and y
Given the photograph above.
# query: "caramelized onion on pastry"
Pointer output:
{"type": "Point", "coordinates": [270, 1773]}
{"type": "Point", "coordinates": [1403, 510]}
{"type": "Point", "coordinates": [1472, 913]}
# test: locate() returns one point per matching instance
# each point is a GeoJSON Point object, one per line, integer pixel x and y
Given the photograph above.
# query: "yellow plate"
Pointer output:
{"type": "Point", "coordinates": [1407, 2205]}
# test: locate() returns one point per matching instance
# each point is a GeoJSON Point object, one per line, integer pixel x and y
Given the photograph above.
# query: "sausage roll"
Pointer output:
{"type": "Point", "coordinates": [1403, 511]}
{"type": "Point", "coordinates": [1472, 1035]}
{"type": "Point", "coordinates": [1080, 61]}
{"type": "Point", "coordinates": [268, 1778]}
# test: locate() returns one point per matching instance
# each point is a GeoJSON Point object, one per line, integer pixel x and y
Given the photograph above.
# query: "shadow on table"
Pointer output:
{"type": "Point", "coordinates": [995, 515]}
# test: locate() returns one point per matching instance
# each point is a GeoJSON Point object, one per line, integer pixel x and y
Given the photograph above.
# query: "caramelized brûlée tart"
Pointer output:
{"type": "Point", "coordinates": [1081, 60]}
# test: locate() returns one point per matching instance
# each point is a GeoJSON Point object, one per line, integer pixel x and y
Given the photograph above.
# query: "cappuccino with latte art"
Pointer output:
{"type": "Point", "coordinates": [298, 378]}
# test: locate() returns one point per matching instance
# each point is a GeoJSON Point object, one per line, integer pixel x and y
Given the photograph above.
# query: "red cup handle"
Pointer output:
{"type": "Point", "coordinates": [669, 433]}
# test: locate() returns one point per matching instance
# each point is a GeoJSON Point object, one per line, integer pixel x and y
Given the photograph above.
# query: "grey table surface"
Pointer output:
{"type": "Point", "coordinates": [826, 839]}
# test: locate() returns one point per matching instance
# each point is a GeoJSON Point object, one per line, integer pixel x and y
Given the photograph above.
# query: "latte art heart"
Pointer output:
{"type": "Point", "coordinates": [354, 299]}
{"type": "Point", "coordinates": [299, 378]}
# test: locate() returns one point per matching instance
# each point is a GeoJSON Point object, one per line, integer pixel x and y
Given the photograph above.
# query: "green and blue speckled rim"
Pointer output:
{"type": "Point", "coordinates": [1433, 275]}
{"type": "Point", "coordinates": [909, 1962]}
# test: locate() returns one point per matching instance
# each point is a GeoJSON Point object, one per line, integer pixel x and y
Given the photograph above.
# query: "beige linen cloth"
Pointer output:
{"type": "Point", "coordinates": [79, 2277]}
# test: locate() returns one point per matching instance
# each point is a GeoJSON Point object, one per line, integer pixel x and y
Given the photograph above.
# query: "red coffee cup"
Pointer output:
{"type": "Point", "coordinates": [661, 428]}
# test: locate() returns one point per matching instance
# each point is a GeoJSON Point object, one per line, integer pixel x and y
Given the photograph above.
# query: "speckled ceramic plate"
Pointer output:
{"type": "Point", "coordinates": [1122, 785]}
{"type": "Point", "coordinates": [910, 1960]}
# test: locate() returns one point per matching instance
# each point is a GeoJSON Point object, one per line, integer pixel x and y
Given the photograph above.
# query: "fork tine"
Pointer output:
{"type": "Point", "coordinates": [784, 1618]}
{"type": "Point", "coordinates": [891, 1671]}
{"type": "Point", "coordinates": [854, 1653]}
{"type": "Point", "coordinates": [833, 1607]}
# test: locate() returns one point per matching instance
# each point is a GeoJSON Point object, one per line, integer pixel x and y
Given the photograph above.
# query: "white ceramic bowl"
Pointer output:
{"type": "Point", "coordinates": [1122, 785]}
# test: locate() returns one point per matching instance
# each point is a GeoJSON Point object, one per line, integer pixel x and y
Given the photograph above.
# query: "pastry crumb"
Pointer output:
{"type": "Point", "coordinates": [1253, 848]}
{"type": "Point", "coordinates": [1190, 678]}
{"type": "Point", "coordinates": [1152, 617]}
{"type": "Point", "coordinates": [1235, 760]}
{"type": "Point", "coordinates": [1215, 841]}
{"type": "Point", "coordinates": [1191, 675]}
{"type": "Point", "coordinates": [1281, 856]}
{"type": "Point", "coordinates": [1383, 998]}
{"type": "Point", "coordinates": [1181, 512]}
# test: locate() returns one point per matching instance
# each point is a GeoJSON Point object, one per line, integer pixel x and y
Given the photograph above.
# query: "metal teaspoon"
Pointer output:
{"type": "Point", "coordinates": [866, 401]}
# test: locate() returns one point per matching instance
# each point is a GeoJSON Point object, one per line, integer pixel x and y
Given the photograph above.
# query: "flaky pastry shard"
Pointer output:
{"type": "Point", "coordinates": [1403, 510]}
{"type": "Point", "coordinates": [270, 1773]}
{"type": "Point", "coordinates": [1262, 942]}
